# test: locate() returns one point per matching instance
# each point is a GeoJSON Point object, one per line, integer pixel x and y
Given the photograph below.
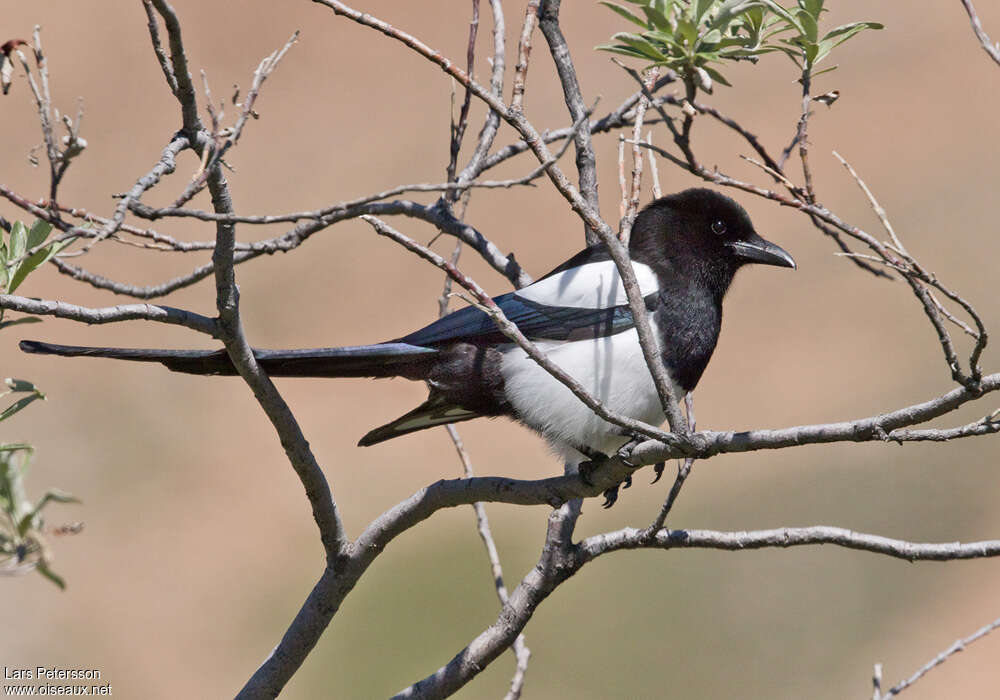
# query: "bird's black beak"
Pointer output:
{"type": "Point", "coordinates": [757, 250]}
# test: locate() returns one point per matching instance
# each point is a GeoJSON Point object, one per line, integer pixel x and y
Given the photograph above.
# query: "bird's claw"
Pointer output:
{"type": "Point", "coordinates": [610, 497]}
{"type": "Point", "coordinates": [658, 469]}
{"type": "Point", "coordinates": [611, 494]}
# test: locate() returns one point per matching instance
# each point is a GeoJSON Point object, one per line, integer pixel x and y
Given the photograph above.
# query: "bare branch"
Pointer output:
{"type": "Point", "coordinates": [136, 291]}
{"type": "Point", "coordinates": [958, 646]}
{"type": "Point", "coordinates": [110, 314]}
{"type": "Point", "coordinates": [165, 166]}
{"type": "Point", "coordinates": [657, 192]}
{"type": "Point", "coordinates": [185, 92]}
{"type": "Point", "coordinates": [586, 163]}
{"type": "Point", "coordinates": [521, 651]}
{"type": "Point", "coordinates": [524, 54]}
{"type": "Point", "coordinates": [623, 115]}
{"type": "Point", "coordinates": [458, 129]}
{"type": "Point", "coordinates": [912, 272]}
{"type": "Point", "coordinates": [992, 49]}
{"type": "Point", "coordinates": [161, 54]}
{"type": "Point", "coordinates": [630, 538]}
{"type": "Point", "coordinates": [474, 167]}
{"type": "Point", "coordinates": [632, 204]}
{"type": "Point", "coordinates": [774, 168]}
{"type": "Point", "coordinates": [216, 154]}
{"type": "Point", "coordinates": [683, 470]}
{"type": "Point", "coordinates": [886, 427]}
{"type": "Point", "coordinates": [556, 565]}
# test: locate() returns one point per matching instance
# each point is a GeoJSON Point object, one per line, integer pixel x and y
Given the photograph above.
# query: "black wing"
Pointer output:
{"type": "Point", "coordinates": [536, 321]}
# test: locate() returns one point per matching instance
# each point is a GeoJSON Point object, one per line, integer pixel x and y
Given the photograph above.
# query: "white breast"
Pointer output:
{"type": "Point", "coordinates": [612, 369]}
{"type": "Point", "coordinates": [592, 286]}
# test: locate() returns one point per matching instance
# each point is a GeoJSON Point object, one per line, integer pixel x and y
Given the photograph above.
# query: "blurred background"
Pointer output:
{"type": "Point", "coordinates": [199, 546]}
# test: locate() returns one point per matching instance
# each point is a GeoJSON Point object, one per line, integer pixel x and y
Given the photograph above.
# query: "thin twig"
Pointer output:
{"type": "Point", "coordinates": [457, 129]}
{"type": "Point", "coordinates": [632, 205]}
{"type": "Point", "coordinates": [520, 648]}
{"type": "Point", "coordinates": [524, 54]}
{"type": "Point", "coordinates": [653, 171]}
{"type": "Point", "coordinates": [586, 162]}
{"type": "Point", "coordinates": [683, 470]}
{"type": "Point", "coordinates": [958, 646]}
{"type": "Point", "coordinates": [992, 49]}
{"type": "Point", "coordinates": [264, 69]}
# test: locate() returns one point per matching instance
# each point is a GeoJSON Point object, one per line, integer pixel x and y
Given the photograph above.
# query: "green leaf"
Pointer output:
{"type": "Point", "coordinates": [19, 321]}
{"type": "Point", "coordinates": [688, 30]}
{"type": "Point", "coordinates": [825, 70]}
{"type": "Point", "coordinates": [663, 6]}
{"type": "Point", "coordinates": [729, 10]}
{"type": "Point", "coordinates": [783, 14]}
{"type": "Point", "coordinates": [813, 7]}
{"type": "Point", "coordinates": [618, 9]}
{"type": "Point", "coordinates": [45, 571]}
{"type": "Point", "coordinates": [810, 51]}
{"type": "Point", "coordinates": [36, 260]}
{"type": "Point", "coordinates": [850, 30]}
{"type": "Point", "coordinates": [18, 405]}
{"type": "Point", "coordinates": [38, 232]}
{"type": "Point", "coordinates": [18, 241]}
{"type": "Point", "coordinates": [668, 39]}
{"type": "Point", "coordinates": [19, 384]}
{"type": "Point", "coordinates": [15, 447]}
{"type": "Point", "coordinates": [655, 18]}
{"type": "Point", "coordinates": [642, 45]}
{"type": "Point", "coordinates": [714, 36]}
{"type": "Point", "coordinates": [810, 30]}
{"type": "Point", "coordinates": [716, 76]}
{"type": "Point", "coordinates": [623, 50]}
{"type": "Point", "coordinates": [54, 496]}
{"type": "Point", "coordinates": [700, 8]}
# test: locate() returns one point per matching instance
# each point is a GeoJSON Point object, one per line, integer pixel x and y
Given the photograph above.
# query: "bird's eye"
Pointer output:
{"type": "Point", "coordinates": [719, 227]}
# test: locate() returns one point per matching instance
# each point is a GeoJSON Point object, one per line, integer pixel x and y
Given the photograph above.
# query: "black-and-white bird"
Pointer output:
{"type": "Point", "coordinates": [685, 249]}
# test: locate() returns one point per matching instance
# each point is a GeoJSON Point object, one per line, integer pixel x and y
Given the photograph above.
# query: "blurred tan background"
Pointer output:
{"type": "Point", "coordinates": [199, 546]}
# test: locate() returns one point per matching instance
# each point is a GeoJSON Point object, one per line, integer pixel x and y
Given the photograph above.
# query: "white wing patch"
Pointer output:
{"type": "Point", "coordinates": [591, 286]}
{"type": "Point", "coordinates": [612, 369]}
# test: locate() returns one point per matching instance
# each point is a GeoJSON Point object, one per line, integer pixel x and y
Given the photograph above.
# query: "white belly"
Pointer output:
{"type": "Point", "coordinates": [611, 369]}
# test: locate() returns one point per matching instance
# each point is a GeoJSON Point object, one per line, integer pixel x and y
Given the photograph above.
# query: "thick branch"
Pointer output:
{"type": "Point", "coordinates": [882, 427]}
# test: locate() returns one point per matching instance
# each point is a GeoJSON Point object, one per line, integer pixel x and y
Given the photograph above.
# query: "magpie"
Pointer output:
{"type": "Point", "coordinates": [685, 249]}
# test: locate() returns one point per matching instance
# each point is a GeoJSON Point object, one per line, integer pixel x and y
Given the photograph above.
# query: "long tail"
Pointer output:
{"type": "Point", "coordinates": [382, 360]}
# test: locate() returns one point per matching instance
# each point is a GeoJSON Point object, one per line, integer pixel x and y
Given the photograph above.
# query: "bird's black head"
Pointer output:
{"type": "Point", "coordinates": [703, 233]}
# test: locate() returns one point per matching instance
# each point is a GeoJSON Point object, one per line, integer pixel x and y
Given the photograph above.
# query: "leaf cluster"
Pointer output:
{"type": "Point", "coordinates": [695, 37]}
{"type": "Point", "coordinates": [22, 546]}
{"type": "Point", "coordinates": [15, 262]}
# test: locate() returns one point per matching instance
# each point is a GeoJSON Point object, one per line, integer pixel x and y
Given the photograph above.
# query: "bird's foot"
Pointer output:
{"type": "Point", "coordinates": [593, 462]}
{"type": "Point", "coordinates": [611, 494]}
{"type": "Point", "coordinates": [625, 451]}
